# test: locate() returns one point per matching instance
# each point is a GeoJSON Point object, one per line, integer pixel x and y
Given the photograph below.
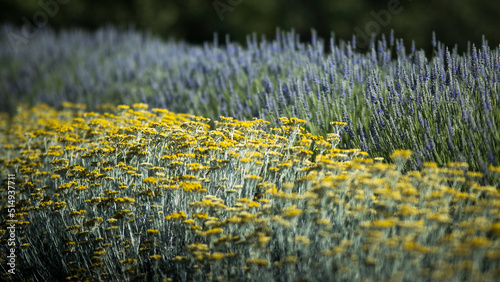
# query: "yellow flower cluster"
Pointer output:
{"type": "Point", "coordinates": [127, 192]}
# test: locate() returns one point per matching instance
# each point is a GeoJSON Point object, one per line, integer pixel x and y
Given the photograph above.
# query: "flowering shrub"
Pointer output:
{"type": "Point", "coordinates": [133, 193]}
{"type": "Point", "coordinates": [444, 108]}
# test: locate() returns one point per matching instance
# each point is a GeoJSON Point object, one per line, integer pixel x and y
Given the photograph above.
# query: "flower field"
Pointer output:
{"type": "Point", "coordinates": [275, 161]}
{"type": "Point", "coordinates": [134, 193]}
{"type": "Point", "coordinates": [443, 108]}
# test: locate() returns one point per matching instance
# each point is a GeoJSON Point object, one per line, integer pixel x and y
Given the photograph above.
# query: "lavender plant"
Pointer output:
{"type": "Point", "coordinates": [445, 107]}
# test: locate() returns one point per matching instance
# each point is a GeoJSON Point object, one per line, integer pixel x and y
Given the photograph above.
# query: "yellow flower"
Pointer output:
{"type": "Point", "coordinates": [217, 256]}
{"type": "Point", "coordinates": [302, 239]}
{"type": "Point", "coordinates": [252, 176]}
{"type": "Point", "coordinates": [155, 257]}
{"type": "Point", "coordinates": [474, 174]}
{"type": "Point", "coordinates": [75, 213]}
{"type": "Point", "coordinates": [214, 231]}
{"type": "Point", "coordinates": [494, 168]}
{"type": "Point", "coordinates": [430, 165]}
{"type": "Point", "coordinates": [140, 106]}
{"type": "Point", "coordinates": [176, 215]}
{"type": "Point", "coordinates": [480, 242]}
{"type": "Point", "coordinates": [200, 215]}
{"type": "Point", "coordinates": [192, 186]}
{"type": "Point", "coordinates": [189, 221]}
{"type": "Point", "coordinates": [322, 221]}
{"type": "Point", "coordinates": [81, 187]}
{"type": "Point", "coordinates": [150, 180]}
{"type": "Point", "coordinates": [402, 155]}
{"type": "Point", "coordinates": [296, 121]}
{"type": "Point", "coordinates": [384, 223]}
{"type": "Point", "coordinates": [77, 168]}
{"type": "Point", "coordinates": [292, 211]}
{"type": "Point", "coordinates": [99, 253]}
{"type": "Point", "coordinates": [338, 123]}
{"type": "Point", "coordinates": [58, 206]}
{"type": "Point", "coordinates": [253, 205]}
{"type": "Point", "coordinates": [76, 226]}
{"type": "Point", "coordinates": [257, 261]}
{"type": "Point", "coordinates": [495, 229]}
{"type": "Point", "coordinates": [152, 231]}
{"type": "Point", "coordinates": [162, 111]}
{"type": "Point", "coordinates": [245, 160]}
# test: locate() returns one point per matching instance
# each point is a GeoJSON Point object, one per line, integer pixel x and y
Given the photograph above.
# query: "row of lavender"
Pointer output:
{"type": "Point", "coordinates": [444, 108]}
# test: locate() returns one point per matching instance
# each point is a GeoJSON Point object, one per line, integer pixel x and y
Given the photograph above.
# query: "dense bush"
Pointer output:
{"type": "Point", "coordinates": [214, 173]}
{"type": "Point", "coordinates": [133, 194]}
{"type": "Point", "coordinates": [444, 108]}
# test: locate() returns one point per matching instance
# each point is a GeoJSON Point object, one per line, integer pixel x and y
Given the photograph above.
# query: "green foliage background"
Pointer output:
{"type": "Point", "coordinates": [455, 21]}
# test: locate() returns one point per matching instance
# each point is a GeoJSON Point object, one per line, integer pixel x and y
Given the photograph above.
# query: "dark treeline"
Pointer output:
{"type": "Point", "coordinates": [454, 21]}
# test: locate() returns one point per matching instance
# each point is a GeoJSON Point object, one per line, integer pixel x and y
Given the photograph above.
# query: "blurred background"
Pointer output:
{"type": "Point", "coordinates": [195, 21]}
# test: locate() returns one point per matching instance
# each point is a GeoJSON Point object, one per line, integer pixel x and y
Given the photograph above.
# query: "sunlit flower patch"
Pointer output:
{"type": "Point", "coordinates": [134, 193]}
{"type": "Point", "coordinates": [444, 105]}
